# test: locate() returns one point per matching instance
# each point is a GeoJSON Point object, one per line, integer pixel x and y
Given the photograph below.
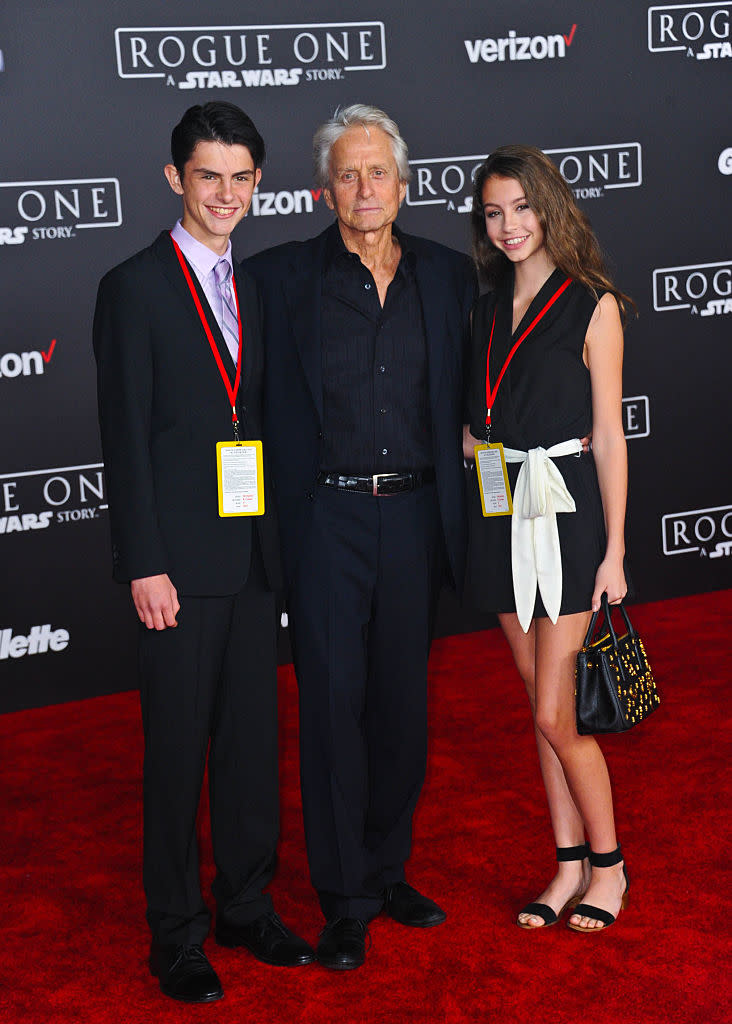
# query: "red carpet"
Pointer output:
{"type": "Point", "coordinates": [75, 939]}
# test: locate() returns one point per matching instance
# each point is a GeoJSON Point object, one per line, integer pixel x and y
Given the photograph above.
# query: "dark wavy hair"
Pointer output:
{"type": "Point", "coordinates": [217, 121]}
{"type": "Point", "coordinates": [568, 236]}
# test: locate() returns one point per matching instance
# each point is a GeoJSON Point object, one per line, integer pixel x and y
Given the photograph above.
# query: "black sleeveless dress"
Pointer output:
{"type": "Point", "coordinates": [543, 399]}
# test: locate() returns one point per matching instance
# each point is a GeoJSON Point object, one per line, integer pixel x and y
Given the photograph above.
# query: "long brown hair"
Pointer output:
{"type": "Point", "coordinates": [568, 237]}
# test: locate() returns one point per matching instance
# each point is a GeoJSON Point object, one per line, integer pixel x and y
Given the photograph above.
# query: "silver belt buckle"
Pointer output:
{"type": "Point", "coordinates": [375, 480]}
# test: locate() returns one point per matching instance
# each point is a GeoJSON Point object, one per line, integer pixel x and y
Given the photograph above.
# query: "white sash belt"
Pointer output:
{"type": "Point", "coordinates": [536, 560]}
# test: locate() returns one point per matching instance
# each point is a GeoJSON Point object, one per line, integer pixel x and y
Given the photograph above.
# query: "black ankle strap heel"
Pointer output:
{"type": "Point", "coordinates": [565, 853]}
{"type": "Point", "coordinates": [601, 860]}
{"type": "Point", "coordinates": [542, 910]}
{"type": "Point", "coordinates": [606, 860]}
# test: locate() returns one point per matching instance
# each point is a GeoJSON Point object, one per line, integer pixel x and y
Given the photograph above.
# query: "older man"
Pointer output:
{"type": "Point", "coordinates": [365, 331]}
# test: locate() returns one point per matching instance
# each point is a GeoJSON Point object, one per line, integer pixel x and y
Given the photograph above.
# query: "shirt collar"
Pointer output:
{"type": "Point", "coordinates": [336, 248]}
{"type": "Point", "coordinates": [201, 258]}
{"type": "Point", "coordinates": [408, 253]}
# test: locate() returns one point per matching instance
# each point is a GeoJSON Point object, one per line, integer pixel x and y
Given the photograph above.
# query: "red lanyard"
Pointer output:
{"type": "Point", "coordinates": [230, 391]}
{"type": "Point", "coordinates": [490, 394]}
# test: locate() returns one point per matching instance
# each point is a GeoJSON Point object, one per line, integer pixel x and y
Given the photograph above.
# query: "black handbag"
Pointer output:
{"type": "Point", "coordinates": [614, 684]}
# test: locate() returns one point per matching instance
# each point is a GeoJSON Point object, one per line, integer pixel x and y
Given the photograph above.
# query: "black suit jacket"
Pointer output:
{"type": "Point", "coordinates": [290, 283]}
{"type": "Point", "coordinates": [162, 408]}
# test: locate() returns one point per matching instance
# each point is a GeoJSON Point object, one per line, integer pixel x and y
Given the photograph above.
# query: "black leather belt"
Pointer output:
{"type": "Point", "coordinates": [380, 484]}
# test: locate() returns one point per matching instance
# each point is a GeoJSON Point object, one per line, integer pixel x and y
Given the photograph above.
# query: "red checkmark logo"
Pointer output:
{"type": "Point", "coordinates": [568, 39]}
{"type": "Point", "coordinates": [47, 355]}
{"type": "Point", "coordinates": [315, 193]}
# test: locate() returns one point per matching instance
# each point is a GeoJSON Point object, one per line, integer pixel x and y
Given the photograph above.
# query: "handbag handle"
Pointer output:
{"type": "Point", "coordinates": [605, 610]}
{"type": "Point", "coordinates": [632, 635]}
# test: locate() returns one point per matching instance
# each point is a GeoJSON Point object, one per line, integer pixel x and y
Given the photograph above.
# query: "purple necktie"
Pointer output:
{"type": "Point", "coordinates": [229, 322]}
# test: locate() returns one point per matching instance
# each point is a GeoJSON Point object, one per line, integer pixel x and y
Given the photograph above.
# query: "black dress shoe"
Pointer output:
{"type": "Point", "coordinates": [342, 944]}
{"type": "Point", "coordinates": [185, 973]}
{"type": "Point", "coordinates": [407, 906]}
{"type": "Point", "coordinates": [267, 938]}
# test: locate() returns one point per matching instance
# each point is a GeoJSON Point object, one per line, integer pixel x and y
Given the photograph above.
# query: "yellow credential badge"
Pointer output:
{"type": "Point", "coordinates": [240, 474]}
{"type": "Point", "coordinates": [495, 490]}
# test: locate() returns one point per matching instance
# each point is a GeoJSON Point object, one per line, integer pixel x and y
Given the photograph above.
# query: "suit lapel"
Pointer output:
{"type": "Point", "coordinates": [250, 335]}
{"type": "Point", "coordinates": [436, 321]}
{"type": "Point", "coordinates": [163, 248]}
{"type": "Point", "coordinates": [303, 294]}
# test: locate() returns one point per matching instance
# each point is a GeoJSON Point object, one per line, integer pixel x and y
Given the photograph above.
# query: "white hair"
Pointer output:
{"type": "Point", "coordinates": [346, 117]}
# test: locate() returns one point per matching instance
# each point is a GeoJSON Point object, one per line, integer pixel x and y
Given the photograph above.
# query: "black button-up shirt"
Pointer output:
{"type": "Point", "coordinates": [376, 413]}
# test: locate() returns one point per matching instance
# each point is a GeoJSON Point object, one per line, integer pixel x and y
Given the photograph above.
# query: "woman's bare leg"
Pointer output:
{"type": "Point", "coordinates": [572, 877]}
{"type": "Point", "coordinates": [580, 757]}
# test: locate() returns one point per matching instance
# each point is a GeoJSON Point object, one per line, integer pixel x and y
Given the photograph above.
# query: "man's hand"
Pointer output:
{"type": "Point", "coordinates": [156, 601]}
{"type": "Point", "coordinates": [469, 443]}
{"type": "Point", "coordinates": [586, 443]}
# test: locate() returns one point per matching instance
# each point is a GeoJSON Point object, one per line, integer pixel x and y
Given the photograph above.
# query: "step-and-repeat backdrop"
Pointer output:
{"type": "Point", "coordinates": [631, 100]}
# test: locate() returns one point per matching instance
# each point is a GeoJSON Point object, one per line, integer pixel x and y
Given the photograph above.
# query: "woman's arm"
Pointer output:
{"type": "Point", "coordinates": [603, 356]}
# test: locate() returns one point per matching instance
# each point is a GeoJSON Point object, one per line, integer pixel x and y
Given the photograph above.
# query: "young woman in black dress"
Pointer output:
{"type": "Point", "coordinates": [546, 371]}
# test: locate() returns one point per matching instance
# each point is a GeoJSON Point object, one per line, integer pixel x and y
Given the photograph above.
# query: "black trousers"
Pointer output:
{"type": "Point", "coordinates": [209, 688]}
{"type": "Point", "coordinates": [362, 607]}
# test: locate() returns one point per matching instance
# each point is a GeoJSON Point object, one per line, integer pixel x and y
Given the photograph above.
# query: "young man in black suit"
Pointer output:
{"type": "Point", "coordinates": [180, 364]}
{"type": "Point", "coordinates": [365, 330]}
